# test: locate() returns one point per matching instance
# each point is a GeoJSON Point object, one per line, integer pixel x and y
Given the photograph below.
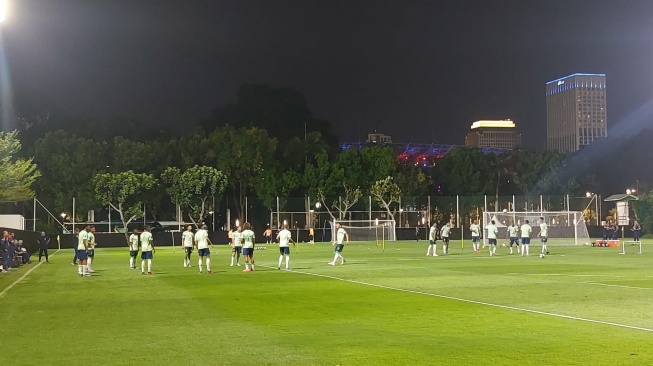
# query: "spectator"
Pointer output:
{"type": "Point", "coordinates": [43, 246]}
{"type": "Point", "coordinates": [22, 252]}
{"type": "Point", "coordinates": [4, 252]}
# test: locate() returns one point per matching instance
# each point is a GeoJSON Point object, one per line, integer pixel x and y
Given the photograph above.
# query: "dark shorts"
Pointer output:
{"type": "Point", "coordinates": [476, 239]}
{"type": "Point", "coordinates": [146, 255]}
{"type": "Point", "coordinates": [248, 251]}
{"type": "Point", "coordinates": [188, 250]}
{"type": "Point", "coordinates": [514, 240]}
{"type": "Point", "coordinates": [237, 250]}
{"type": "Point", "coordinates": [268, 239]}
{"type": "Point", "coordinates": [133, 253]}
{"type": "Point", "coordinates": [526, 241]}
{"type": "Point", "coordinates": [544, 239]}
{"type": "Point", "coordinates": [492, 241]}
{"type": "Point", "coordinates": [284, 250]}
{"type": "Point", "coordinates": [310, 237]}
{"type": "Point", "coordinates": [204, 252]}
{"type": "Point", "coordinates": [445, 240]}
{"type": "Point", "coordinates": [81, 254]}
{"type": "Point", "coordinates": [433, 241]}
{"type": "Point", "coordinates": [339, 247]}
{"type": "Point", "coordinates": [90, 253]}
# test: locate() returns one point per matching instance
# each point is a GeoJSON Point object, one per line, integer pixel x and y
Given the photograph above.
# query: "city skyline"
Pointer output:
{"type": "Point", "coordinates": [419, 72]}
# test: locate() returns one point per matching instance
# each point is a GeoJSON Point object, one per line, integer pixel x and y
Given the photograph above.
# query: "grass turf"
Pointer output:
{"type": "Point", "coordinates": [381, 308]}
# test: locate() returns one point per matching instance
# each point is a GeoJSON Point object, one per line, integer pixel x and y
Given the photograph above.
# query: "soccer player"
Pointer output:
{"type": "Point", "coordinates": [43, 246]}
{"type": "Point", "coordinates": [492, 232]}
{"type": "Point", "coordinates": [444, 234]}
{"type": "Point", "coordinates": [476, 236]}
{"type": "Point", "coordinates": [342, 238]}
{"type": "Point", "coordinates": [187, 242]}
{"type": "Point", "coordinates": [513, 231]}
{"type": "Point", "coordinates": [543, 234]}
{"type": "Point", "coordinates": [133, 249]}
{"type": "Point", "coordinates": [525, 238]}
{"type": "Point", "coordinates": [637, 232]}
{"type": "Point", "coordinates": [248, 239]}
{"type": "Point", "coordinates": [433, 240]}
{"type": "Point", "coordinates": [82, 247]}
{"type": "Point", "coordinates": [311, 235]}
{"type": "Point", "coordinates": [236, 246]}
{"type": "Point", "coordinates": [268, 235]}
{"type": "Point", "coordinates": [202, 242]}
{"type": "Point", "coordinates": [284, 237]}
{"type": "Point", "coordinates": [91, 248]}
{"type": "Point", "coordinates": [147, 250]}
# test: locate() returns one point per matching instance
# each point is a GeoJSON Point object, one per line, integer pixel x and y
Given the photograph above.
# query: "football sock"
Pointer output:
{"type": "Point", "coordinates": [246, 265]}
{"type": "Point", "coordinates": [252, 264]}
{"type": "Point", "coordinates": [149, 265]}
{"type": "Point", "coordinates": [527, 249]}
{"type": "Point", "coordinates": [143, 265]}
{"type": "Point", "coordinates": [287, 261]}
{"type": "Point", "coordinates": [131, 262]}
{"type": "Point", "coordinates": [428, 250]}
{"type": "Point", "coordinates": [335, 257]}
{"type": "Point", "coordinates": [208, 264]}
{"type": "Point", "coordinates": [232, 261]}
{"type": "Point", "coordinates": [446, 248]}
{"type": "Point", "coordinates": [88, 264]}
{"type": "Point", "coordinates": [280, 258]}
{"type": "Point", "coordinates": [199, 263]}
{"type": "Point", "coordinates": [79, 269]}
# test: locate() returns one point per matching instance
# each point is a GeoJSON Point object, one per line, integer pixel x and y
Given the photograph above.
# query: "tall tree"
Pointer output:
{"type": "Point", "coordinates": [124, 193]}
{"type": "Point", "coordinates": [18, 175]}
{"type": "Point", "coordinates": [386, 192]}
{"type": "Point", "coordinates": [194, 189]}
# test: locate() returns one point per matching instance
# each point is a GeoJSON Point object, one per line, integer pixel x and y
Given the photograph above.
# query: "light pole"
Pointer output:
{"type": "Point", "coordinates": [596, 208]}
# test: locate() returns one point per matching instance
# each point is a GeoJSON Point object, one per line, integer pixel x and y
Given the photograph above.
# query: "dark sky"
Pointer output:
{"type": "Point", "coordinates": [421, 71]}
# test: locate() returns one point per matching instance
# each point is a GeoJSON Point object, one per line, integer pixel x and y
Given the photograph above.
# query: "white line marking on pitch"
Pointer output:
{"type": "Point", "coordinates": [564, 274]}
{"type": "Point", "coordinates": [4, 292]}
{"type": "Point", "coordinates": [622, 286]}
{"type": "Point", "coordinates": [475, 302]}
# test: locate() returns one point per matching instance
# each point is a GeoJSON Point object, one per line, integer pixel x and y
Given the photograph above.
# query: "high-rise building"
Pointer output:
{"type": "Point", "coordinates": [499, 134]}
{"type": "Point", "coordinates": [378, 138]}
{"type": "Point", "coordinates": [576, 111]}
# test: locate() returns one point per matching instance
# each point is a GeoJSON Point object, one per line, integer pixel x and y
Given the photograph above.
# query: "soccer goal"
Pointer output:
{"type": "Point", "coordinates": [564, 227]}
{"type": "Point", "coordinates": [377, 231]}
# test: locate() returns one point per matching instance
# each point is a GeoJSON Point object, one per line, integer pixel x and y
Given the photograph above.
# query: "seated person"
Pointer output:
{"type": "Point", "coordinates": [22, 252]}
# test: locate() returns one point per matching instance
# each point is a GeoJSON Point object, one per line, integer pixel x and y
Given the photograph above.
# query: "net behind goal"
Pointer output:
{"type": "Point", "coordinates": [564, 227]}
{"type": "Point", "coordinates": [366, 230]}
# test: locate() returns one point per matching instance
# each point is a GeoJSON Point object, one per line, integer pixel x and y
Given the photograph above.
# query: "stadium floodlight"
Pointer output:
{"type": "Point", "coordinates": [3, 10]}
{"type": "Point", "coordinates": [376, 222]}
{"type": "Point", "coordinates": [588, 194]}
{"type": "Point", "coordinates": [423, 220]}
{"type": "Point", "coordinates": [318, 205]}
{"type": "Point", "coordinates": [63, 214]}
{"type": "Point", "coordinates": [237, 223]}
{"type": "Point", "coordinates": [285, 222]}
{"type": "Point", "coordinates": [630, 191]}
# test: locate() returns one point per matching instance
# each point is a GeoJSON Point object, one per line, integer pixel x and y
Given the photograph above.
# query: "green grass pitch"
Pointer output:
{"type": "Point", "coordinates": [577, 306]}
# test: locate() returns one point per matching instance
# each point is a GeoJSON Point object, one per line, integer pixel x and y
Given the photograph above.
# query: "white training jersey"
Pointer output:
{"type": "Point", "coordinates": [284, 238]}
{"type": "Point", "coordinates": [146, 241]}
{"type": "Point", "coordinates": [445, 231]}
{"type": "Point", "coordinates": [91, 241]}
{"type": "Point", "coordinates": [513, 230]}
{"type": "Point", "coordinates": [544, 229]}
{"type": "Point", "coordinates": [236, 238]}
{"type": "Point", "coordinates": [432, 233]}
{"type": "Point", "coordinates": [475, 229]}
{"type": "Point", "coordinates": [202, 239]}
{"type": "Point", "coordinates": [526, 231]}
{"type": "Point", "coordinates": [492, 231]}
{"type": "Point", "coordinates": [83, 235]}
{"type": "Point", "coordinates": [133, 242]}
{"type": "Point", "coordinates": [340, 236]}
{"type": "Point", "coordinates": [187, 239]}
{"type": "Point", "coordinates": [248, 238]}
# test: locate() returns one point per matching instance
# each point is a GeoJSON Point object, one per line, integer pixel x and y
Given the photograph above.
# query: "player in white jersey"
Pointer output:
{"type": "Point", "coordinates": [236, 246]}
{"type": "Point", "coordinates": [525, 238]}
{"type": "Point", "coordinates": [544, 235]}
{"type": "Point", "coordinates": [91, 248]}
{"type": "Point", "coordinates": [248, 238]}
{"type": "Point", "coordinates": [147, 250]}
{"type": "Point", "coordinates": [202, 242]}
{"type": "Point", "coordinates": [133, 249]}
{"type": "Point", "coordinates": [476, 236]}
{"type": "Point", "coordinates": [342, 238]}
{"type": "Point", "coordinates": [444, 234]}
{"type": "Point", "coordinates": [82, 256]}
{"type": "Point", "coordinates": [284, 237]}
{"type": "Point", "coordinates": [187, 244]}
{"type": "Point", "coordinates": [513, 232]}
{"type": "Point", "coordinates": [433, 239]}
{"type": "Point", "coordinates": [492, 233]}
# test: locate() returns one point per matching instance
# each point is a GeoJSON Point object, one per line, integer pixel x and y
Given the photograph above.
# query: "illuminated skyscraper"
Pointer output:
{"type": "Point", "coordinates": [499, 134]}
{"type": "Point", "coordinates": [576, 111]}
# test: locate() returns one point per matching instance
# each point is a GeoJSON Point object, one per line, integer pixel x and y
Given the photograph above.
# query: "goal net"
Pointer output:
{"type": "Point", "coordinates": [366, 230]}
{"type": "Point", "coordinates": [564, 227]}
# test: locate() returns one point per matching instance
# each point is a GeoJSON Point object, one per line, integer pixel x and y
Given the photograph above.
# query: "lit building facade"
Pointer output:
{"type": "Point", "coordinates": [576, 111]}
{"type": "Point", "coordinates": [378, 138]}
{"type": "Point", "coordinates": [497, 134]}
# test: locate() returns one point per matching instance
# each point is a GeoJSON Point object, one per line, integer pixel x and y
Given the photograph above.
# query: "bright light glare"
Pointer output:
{"type": "Point", "coordinates": [3, 10]}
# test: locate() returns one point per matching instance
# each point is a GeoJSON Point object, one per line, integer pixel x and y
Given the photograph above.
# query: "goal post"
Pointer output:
{"type": "Point", "coordinates": [377, 231]}
{"type": "Point", "coordinates": [564, 227]}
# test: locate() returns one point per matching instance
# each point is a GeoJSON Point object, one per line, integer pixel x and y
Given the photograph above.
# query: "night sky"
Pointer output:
{"type": "Point", "coordinates": [421, 71]}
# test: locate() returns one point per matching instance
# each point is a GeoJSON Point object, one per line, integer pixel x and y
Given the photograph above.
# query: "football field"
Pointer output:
{"type": "Point", "coordinates": [577, 306]}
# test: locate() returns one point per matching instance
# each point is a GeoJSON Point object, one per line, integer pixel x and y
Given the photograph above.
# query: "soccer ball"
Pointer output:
{"type": "Point", "coordinates": [541, 255]}
{"type": "Point", "coordinates": [505, 210]}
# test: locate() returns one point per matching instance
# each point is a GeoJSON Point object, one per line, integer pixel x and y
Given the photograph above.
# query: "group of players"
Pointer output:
{"type": "Point", "coordinates": [514, 234]}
